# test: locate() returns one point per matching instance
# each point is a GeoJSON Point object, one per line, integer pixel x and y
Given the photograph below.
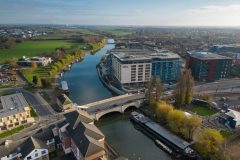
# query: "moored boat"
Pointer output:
{"type": "Point", "coordinates": [164, 137]}
{"type": "Point", "coordinates": [64, 86]}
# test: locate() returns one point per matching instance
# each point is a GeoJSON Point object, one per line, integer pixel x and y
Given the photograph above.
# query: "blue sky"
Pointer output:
{"type": "Point", "coordinates": [122, 12]}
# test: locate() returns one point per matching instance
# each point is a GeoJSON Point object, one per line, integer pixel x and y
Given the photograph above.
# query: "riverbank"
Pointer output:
{"type": "Point", "coordinates": [85, 87]}
{"type": "Point", "coordinates": [109, 86]}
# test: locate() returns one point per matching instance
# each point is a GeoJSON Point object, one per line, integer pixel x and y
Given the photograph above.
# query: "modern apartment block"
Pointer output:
{"type": "Point", "coordinates": [131, 66]}
{"type": "Point", "coordinates": [206, 66]}
{"type": "Point", "coordinates": [14, 111]}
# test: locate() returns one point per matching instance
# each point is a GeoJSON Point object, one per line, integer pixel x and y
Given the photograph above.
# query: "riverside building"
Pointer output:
{"type": "Point", "coordinates": [207, 66]}
{"type": "Point", "coordinates": [136, 66]}
{"type": "Point", "coordinates": [14, 111]}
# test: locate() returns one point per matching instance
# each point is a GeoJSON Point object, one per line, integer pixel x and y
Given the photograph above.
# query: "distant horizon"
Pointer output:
{"type": "Point", "coordinates": [223, 13]}
{"type": "Point", "coordinates": [150, 26]}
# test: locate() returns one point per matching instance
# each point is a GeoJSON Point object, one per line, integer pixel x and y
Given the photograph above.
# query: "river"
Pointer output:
{"type": "Point", "coordinates": [85, 87]}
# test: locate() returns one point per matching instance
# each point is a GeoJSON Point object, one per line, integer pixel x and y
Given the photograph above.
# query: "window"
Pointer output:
{"type": "Point", "coordinates": [36, 154]}
{"type": "Point", "coordinates": [29, 158]}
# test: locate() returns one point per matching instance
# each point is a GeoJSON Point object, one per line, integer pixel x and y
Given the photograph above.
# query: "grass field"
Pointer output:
{"type": "Point", "coordinates": [201, 110]}
{"type": "Point", "coordinates": [33, 48]}
{"type": "Point", "coordinates": [11, 132]}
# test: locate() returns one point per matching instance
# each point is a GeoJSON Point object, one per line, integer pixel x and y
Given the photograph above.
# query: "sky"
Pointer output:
{"type": "Point", "coordinates": [122, 12]}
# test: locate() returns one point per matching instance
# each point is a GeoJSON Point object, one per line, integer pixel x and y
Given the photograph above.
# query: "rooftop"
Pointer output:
{"type": "Point", "coordinates": [168, 135]}
{"type": "Point", "coordinates": [206, 55]}
{"type": "Point", "coordinates": [237, 45]}
{"type": "Point", "coordinates": [143, 54]}
{"type": "Point", "coordinates": [12, 104]}
{"type": "Point", "coordinates": [234, 114]}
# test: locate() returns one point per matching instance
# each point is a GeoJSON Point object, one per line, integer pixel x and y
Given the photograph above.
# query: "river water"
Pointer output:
{"type": "Point", "coordinates": [85, 87]}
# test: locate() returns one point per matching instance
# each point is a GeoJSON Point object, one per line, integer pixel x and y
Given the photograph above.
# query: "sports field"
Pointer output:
{"type": "Point", "coordinates": [33, 48]}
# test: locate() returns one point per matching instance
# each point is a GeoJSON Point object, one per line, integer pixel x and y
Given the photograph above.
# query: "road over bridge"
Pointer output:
{"type": "Point", "coordinates": [114, 104]}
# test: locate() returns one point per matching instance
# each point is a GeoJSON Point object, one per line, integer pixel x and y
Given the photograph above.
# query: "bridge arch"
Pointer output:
{"type": "Point", "coordinates": [109, 113]}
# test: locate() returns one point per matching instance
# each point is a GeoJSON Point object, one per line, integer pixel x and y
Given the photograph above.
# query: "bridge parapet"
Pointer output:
{"type": "Point", "coordinates": [121, 109]}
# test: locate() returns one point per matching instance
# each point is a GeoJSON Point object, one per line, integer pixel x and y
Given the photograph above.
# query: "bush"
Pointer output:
{"type": "Point", "coordinates": [46, 82]}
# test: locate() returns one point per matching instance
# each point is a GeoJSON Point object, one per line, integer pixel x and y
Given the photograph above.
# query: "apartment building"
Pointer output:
{"type": "Point", "coordinates": [207, 66]}
{"type": "Point", "coordinates": [131, 66]}
{"type": "Point", "coordinates": [14, 111]}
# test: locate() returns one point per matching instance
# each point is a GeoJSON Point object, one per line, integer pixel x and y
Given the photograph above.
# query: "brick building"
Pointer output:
{"type": "Point", "coordinates": [206, 66]}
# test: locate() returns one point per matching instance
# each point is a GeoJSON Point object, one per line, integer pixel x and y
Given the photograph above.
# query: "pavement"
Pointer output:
{"type": "Point", "coordinates": [229, 86]}
{"type": "Point", "coordinates": [107, 104]}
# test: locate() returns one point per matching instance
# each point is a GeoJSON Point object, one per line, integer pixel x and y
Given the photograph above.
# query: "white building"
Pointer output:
{"type": "Point", "coordinates": [131, 66]}
{"type": "Point", "coordinates": [40, 61]}
{"type": "Point", "coordinates": [136, 70]}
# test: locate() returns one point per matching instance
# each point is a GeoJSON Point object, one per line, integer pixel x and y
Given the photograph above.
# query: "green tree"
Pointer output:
{"type": "Point", "coordinates": [34, 65]}
{"type": "Point", "coordinates": [149, 92]}
{"type": "Point", "coordinates": [46, 82]}
{"type": "Point", "coordinates": [162, 110]}
{"type": "Point", "coordinates": [159, 88]}
{"type": "Point", "coordinates": [189, 86]}
{"type": "Point", "coordinates": [35, 80]}
{"type": "Point", "coordinates": [13, 62]}
{"type": "Point", "coordinates": [191, 124]}
{"type": "Point", "coordinates": [175, 120]}
{"type": "Point", "coordinates": [184, 90]}
{"type": "Point", "coordinates": [208, 143]}
{"type": "Point", "coordinates": [180, 91]}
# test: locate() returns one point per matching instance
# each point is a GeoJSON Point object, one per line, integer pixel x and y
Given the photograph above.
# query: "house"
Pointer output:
{"type": "Point", "coordinates": [35, 147]}
{"type": "Point", "coordinates": [64, 102]}
{"type": "Point", "coordinates": [230, 118]}
{"type": "Point", "coordinates": [14, 111]}
{"type": "Point", "coordinates": [80, 136]}
{"type": "Point", "coordinates": [40, 61]}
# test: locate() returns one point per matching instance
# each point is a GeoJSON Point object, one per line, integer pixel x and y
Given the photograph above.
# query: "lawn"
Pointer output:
{"type": "Point", "coordinates": [33, 48]}
{"type": "Point", "coordinates": [201, 110]}
{"type": "Point", "coordinates": [226, 134]}
{"type": "Point", "coordinates": [11, 132]}
{"type": "Point", "coordinates": [7, 85]}
{"type": "Point", "coordinates": [32, 112]}
{"type": "Point", "coordinates": [4, 93]}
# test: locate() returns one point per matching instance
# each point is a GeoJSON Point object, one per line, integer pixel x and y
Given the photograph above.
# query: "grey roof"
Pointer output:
{"type": "Point", "coordinates": [87, 145]}
{"type": "Point", "coordinates": [167, 135]}
{"type": "Point", "coordinates": [27, 145]}
{"type": "Point", "coordinates": [12, 104]}
{"type": "Point", "coordinates": [74, 117]}
{"type": "Point", "coordinates": [142, 54]}
{"type": "Point", "coordinates": [90, 130]}
{"type": "Point", "coordinates": [10, 148]}
{"type": "Point", "coordinates": [206, 55]}
{"type": "Point", "coordinates": [85, 135]}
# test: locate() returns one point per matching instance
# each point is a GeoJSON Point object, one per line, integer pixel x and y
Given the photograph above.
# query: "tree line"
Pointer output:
{"type": "Point", "coordinates": [62, 60]}
{"type": "Point", "coordinates": [208, 142]}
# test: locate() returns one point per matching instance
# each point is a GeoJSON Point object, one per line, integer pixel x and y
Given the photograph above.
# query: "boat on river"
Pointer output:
{"type": "Point", "coordinates": [64, 86]}
{"type": "Point", "coordinates": [169, 142]}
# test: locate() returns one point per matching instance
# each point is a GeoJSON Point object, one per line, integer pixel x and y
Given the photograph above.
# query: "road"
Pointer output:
{"type": "Point", "coordinates": [42, 108]}
{"type": "Point", "coordinates": [115, 102]}
{"type": "Point", "coordinates": [230, 85]}
{"type": "Point", "coordinates": [29, 131]}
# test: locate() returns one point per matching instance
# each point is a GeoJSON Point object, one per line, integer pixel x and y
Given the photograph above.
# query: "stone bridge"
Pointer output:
{"type": "Point", "coordinates": [121, 108]}
{"type": "Point", "coordinates": [115, 104]}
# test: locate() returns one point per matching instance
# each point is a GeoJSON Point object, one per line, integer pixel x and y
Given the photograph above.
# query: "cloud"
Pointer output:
{"type": "Point", "coordinates": [217, 8]}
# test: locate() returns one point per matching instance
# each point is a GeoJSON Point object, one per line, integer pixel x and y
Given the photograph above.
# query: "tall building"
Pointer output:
{"type": "Point", "coordinates": [206, 66]}
{"type": "Point", "coordinates": [131, 66]}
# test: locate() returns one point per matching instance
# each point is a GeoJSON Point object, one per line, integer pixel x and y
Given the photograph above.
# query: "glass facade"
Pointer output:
{"type": "Point", "coordinates": [167, 69]}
